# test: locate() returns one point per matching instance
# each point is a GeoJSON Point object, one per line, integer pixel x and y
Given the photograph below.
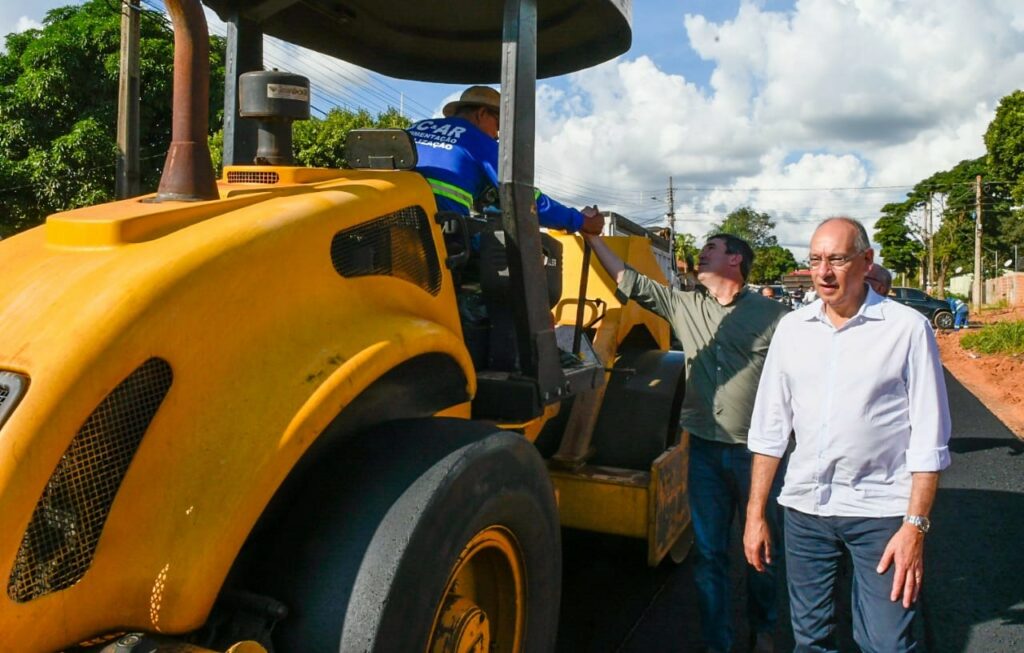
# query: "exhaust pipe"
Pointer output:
{"type": "Point", "coordinates": [188, 169]}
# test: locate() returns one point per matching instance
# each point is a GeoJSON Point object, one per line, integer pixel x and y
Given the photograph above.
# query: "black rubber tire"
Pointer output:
{"type": "Point", "coordinates": [639, 418]}
{"type": "Point", "coordinates": [943, 320]}
{"type": "Point", "coordinates": [365, 568]}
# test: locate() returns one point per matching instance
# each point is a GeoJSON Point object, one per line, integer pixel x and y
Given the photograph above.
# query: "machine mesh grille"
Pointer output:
{"type": "Point", "coordinates": [58, 546]}
{"type": "Point", "coordinates": [252, 177]}
{"type": "Point", "coordinates": [5, 393]}
{"type": "Point", "coordinates": [398, 244]}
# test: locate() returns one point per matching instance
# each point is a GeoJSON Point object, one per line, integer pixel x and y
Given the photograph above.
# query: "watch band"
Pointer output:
{"type": "Point", "coordinates": [920, 522]}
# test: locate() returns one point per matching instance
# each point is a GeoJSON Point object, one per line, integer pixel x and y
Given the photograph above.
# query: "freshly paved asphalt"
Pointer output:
{"type": "Point", "coordinates": [973, 596]}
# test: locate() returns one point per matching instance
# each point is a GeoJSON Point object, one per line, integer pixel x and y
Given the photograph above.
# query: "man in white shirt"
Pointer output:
{"type": "Point", "coordinates": [857, 378]}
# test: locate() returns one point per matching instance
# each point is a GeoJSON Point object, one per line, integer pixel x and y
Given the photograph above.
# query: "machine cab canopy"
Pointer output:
{"type": "Point", "coordinates": [455, 41]}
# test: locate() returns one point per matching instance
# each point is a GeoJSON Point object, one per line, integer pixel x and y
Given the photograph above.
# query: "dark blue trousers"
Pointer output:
{"type": "Point", "coordinates": [814, 547]}
{"type": "Point", "coordinates": [719, 484]}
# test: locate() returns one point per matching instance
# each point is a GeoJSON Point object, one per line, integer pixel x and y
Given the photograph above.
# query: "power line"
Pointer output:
{"type": "Point", "coordinates": [368, 91]}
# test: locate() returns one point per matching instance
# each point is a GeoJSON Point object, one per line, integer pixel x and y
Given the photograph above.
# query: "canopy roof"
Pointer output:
{"type": "Point", "coordinates": [455, 41]}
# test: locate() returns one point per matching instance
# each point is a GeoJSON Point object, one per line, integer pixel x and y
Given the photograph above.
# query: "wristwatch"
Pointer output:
{"type": "Point", "coordinates": [921, 522]}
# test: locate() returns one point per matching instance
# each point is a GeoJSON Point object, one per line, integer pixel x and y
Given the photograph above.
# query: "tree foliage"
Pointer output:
{"type": "Point", "coordinates": [686, 249]}
{"type": "Point", "coordinates": [899, 246]}
{"type": "Point", "coordinates": [772, 263]}
{"type": "Point", "coordinates": [771, 260]}
{"type": "Point", "coordinates": [1004, 141]}
{"type": "Point", "coordinates": [58, 110]}
{"type": "Point", "coordinates": [321, 143]}
{"type": "Point", "coordinates": [952, 195]}
{"type": "Point", "coordinates": [757, 229]}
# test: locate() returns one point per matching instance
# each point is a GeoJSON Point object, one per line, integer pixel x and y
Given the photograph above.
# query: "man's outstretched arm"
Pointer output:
{"type": "Point", "coordinates": [609, 259]}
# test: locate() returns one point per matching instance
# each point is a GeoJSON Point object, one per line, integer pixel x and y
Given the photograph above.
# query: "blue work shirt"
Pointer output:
{"type": "Point", "coordinates": [460, 162]}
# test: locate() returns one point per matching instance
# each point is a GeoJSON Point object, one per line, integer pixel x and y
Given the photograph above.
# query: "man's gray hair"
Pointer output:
{"type": "Point", "coordinates": [861, 241]}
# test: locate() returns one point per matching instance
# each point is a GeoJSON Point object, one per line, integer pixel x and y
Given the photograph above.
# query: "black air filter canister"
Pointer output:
{"type": "Point", "coordinates": [274, 99]}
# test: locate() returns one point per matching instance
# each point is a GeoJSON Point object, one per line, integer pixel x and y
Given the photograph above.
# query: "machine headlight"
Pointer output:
{"type": "Point", "coordinates": [12, 388]}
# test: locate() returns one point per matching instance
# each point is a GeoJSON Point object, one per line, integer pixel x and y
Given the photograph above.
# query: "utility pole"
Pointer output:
{"type": "Point", "coordinates": [672, 227]}
{"type": "Point", "coordinates": [976, 290]}
{"type": "Point", "coordinates": [671, 210]}
{"type": "Point", "coordinates": [127, 182]}
{"type": "Point", "coordinates": [931, 246]}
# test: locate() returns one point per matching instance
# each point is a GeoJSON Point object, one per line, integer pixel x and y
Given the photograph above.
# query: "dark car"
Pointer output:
{"type": "Point", "coordinates": [935, 310]}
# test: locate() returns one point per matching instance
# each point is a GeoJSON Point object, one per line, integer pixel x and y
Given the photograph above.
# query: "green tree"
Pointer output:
{"type": "Point", "coordinates": [900, 249]}
{"type": "Point", "coordinates": [1004, 142]}
{"type": "Point", "coordinates": [755, 228]}
{"type": "Point", "coordinates": [771, 260]}
{"type": "Point", "coordinates": [321, 143]}
{"type": "Point", "coordinates": [686, 249]}
{"type": "Point", "coordinates": [58, 110]}
{"type": "Point", "coordinates": [772, 263]}
{"type": "Point", "coordinates": [952, 194]}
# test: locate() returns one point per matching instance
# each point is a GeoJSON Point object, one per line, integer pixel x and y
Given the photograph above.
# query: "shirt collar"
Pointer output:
{"type": "Point", "coordinates": [740, 294]}
{"type": "Point", "coordinates": [872, 308]}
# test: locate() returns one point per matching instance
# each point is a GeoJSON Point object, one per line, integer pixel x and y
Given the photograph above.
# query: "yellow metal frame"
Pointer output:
{"type": "Point", "coordinates": [651, 505]}
{"type": "Point", "coordinates": [267, 344]}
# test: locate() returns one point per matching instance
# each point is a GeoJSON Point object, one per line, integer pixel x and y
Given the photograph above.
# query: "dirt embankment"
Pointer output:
{"type": "Point", "coordinates": [997, 381]}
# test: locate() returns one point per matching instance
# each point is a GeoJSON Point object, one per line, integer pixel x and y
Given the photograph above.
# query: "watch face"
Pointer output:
{"type": "Point", "coordinates": [920, 522]}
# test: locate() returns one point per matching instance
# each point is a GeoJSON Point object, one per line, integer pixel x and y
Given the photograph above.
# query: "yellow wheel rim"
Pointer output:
{"type": "Point", "coordinates": [483, 607]}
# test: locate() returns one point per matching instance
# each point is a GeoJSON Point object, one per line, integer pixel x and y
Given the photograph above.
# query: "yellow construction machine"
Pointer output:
{"type": "Point", "coordinates": [245, 414]}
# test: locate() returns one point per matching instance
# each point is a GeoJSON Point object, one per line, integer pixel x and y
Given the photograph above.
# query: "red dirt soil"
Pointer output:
{"type": "Point", "coordinates": [996, 380]}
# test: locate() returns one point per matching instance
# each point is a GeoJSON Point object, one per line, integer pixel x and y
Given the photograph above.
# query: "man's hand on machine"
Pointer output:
{"type": "Point", "coordinates": [593, 221]}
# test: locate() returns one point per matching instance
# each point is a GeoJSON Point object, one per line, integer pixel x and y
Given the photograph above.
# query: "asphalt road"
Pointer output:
{"type": "Point", "coordinates": [973, 596]}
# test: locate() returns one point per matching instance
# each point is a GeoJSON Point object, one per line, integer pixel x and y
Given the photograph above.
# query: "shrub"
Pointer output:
{"type": "Point", "coordinates": [999, 338]}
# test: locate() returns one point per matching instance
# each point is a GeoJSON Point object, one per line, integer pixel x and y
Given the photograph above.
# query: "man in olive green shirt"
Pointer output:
{"type": "Point", "coordinates": [725, 330]}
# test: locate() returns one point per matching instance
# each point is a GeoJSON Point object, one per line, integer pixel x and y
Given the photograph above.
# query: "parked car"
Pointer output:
{"type": "Point", "coordinates": [936, 310]}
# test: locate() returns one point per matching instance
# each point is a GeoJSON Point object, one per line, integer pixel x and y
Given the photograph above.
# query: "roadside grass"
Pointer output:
{"type": "Point", "coordinates": [999, 338]}
{"type": "Point", "coordinates": [996, 307]}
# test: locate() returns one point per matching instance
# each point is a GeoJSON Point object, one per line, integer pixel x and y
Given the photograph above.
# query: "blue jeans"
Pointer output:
{"type": "Point", "coordinates": [960, 318]}
{"type": "Point", "coordinates": [814, 546]}
{"type": "Point", "coordinates": [719, 484]}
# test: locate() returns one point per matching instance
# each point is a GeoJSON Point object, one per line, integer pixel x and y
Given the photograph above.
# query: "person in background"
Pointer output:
{"type": "Point", "coordinates": [856, 378]}
{"type": "Point", "coordinates": [766, 291]}
{"type": "Point", "coordinates": [725, 329]}
{"type": "Point", "coordinates": [810, 296]}
{"type": "Point", "coordinates": [458, 156]}
{"type": "Point", "coordinates": [880, 279]}
{"type": "Point", "coordinates": [959, 308]}
{"type": "Point", "coordinates": [798, 296]}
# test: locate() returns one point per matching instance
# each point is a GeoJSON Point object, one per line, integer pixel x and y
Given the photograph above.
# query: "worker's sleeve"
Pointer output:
{"type": "Point", "coordinates": [550, 213]}
{"type": "Point", "coordinates": [554, 215]}
{"type": "Point", "coordinates": [771, 422]}
{"type": "Point", "coordinates": [930, 424]}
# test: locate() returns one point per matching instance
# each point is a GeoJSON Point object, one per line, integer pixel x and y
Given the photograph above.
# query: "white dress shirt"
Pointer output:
{"type": "Point", "coordinates": [866, 401]}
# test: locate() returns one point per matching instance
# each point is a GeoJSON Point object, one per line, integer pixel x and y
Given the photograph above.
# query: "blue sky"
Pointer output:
{"type": "Point", "coordinates": [801, 109]}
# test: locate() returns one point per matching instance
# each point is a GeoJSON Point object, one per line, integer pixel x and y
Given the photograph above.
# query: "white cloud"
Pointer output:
{"type": "Point", "coordinates": [832, 94]}
{"type": "Point", "coordinates": [25, 23]}
{"type": "Point", "coordinates": [16, 16]}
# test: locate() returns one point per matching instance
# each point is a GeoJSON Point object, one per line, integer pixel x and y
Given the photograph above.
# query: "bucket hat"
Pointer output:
{"type": "Point", "coordinates": [474, 96]}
